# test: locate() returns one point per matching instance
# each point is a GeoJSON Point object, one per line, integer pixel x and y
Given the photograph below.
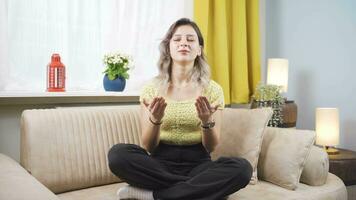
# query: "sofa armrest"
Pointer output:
{"type": "Point", "coordinates": [17, 183]}
{"type": "Point", "coordinates": [315, 172]}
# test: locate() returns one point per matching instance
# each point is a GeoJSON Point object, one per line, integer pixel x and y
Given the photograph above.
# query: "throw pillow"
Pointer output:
{"type": "Point", "coordinates": [283, 155]}
{"type": "Point", "coordinates": [241, 135]}
{"type": "Point", "coordinates": [316, 169]}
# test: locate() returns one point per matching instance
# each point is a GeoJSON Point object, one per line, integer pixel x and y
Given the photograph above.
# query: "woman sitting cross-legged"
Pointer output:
{"type": "Point", "coordinates": [181, 112]}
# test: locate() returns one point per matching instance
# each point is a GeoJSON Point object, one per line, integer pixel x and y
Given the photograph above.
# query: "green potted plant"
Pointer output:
{"type": "Point", "coordinates": [117, 71]}
{"type": "Point", "coordinates": [269, 96]}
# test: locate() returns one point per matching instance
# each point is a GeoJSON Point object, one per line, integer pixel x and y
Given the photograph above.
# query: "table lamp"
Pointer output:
{"type": "Point", "coordinates": [327, 128]}
{"type": "Point", "coordinates": [277, 74]}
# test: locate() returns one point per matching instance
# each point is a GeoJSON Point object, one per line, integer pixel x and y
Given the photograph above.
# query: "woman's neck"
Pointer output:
{"type": "Point", "coordinates": [181, 74]}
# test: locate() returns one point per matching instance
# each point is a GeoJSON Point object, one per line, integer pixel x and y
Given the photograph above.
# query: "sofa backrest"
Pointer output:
{"type": "Point", "coordinates": [66, 148]}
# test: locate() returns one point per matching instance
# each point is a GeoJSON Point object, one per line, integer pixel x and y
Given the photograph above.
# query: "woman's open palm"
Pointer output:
{"type": "Point", "coordinates": [156, 108]}
{"type": "Point", "coordinates": [204, 109]}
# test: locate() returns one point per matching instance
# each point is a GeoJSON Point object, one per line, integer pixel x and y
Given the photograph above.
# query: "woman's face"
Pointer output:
{"type": "Point", "coordinates": [184, 45]}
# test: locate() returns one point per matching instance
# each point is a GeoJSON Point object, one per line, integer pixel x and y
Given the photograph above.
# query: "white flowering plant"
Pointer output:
{"type": "Point", "coordinates": [117, 65]}
{"type": "Point", "coordinates": [268, 93]}
{"type": "Point", "coordinates": [270, 96]}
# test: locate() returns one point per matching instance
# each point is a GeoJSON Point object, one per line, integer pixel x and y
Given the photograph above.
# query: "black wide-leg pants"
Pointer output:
{"type": "Point", "coordinates": [179, 172]}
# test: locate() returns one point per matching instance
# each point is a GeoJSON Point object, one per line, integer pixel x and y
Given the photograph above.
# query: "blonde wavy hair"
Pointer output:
{"type": "Point", "coordinates": [200, 74]}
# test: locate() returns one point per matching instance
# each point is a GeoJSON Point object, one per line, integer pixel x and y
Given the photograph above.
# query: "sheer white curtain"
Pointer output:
{"type": "Point", "coordinates": [81, 31]}
{"type": "Point", "coordinates": [4, 64]}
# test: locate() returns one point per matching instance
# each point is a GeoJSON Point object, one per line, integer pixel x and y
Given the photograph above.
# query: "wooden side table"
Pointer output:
{"type": "Point", "coordinates": [343, 165]}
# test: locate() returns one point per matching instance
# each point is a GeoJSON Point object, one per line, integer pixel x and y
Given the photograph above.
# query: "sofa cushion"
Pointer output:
{"type": "Point", "coordinates": [283, 155]}
{"type": "Point", "coordinates": [315, 171]}
{"type": "Point", "coordinates": [241, 134]}
{"type": "Point", "coordinates": [333, 189]}
{"type": "Point", "coordinates": [66, 149]}
{"type": "Point", "coordinates": [105, 192]}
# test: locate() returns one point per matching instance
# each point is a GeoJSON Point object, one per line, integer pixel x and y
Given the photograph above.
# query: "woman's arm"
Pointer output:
{"type": "Point", "coordinates": [208, 113]}
{"type": "Point", "coordinates": [211, 137]}
{"type": "Point", "coordinates": [151, 116]}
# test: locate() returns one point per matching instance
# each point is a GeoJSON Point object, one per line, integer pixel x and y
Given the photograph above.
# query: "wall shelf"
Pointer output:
{"type": "Point", "coordinates": [70, 97]}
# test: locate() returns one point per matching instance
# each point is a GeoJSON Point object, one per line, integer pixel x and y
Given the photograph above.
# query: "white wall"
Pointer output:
{"type": "Point", "coordinates": [319, 39]}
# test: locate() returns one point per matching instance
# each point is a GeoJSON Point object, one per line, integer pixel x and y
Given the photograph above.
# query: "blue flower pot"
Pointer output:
{"type": "Point", "coordinates": [117, 84]}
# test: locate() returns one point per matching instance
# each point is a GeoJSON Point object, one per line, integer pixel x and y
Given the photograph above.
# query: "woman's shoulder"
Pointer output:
{"type": "Point", "coordinates": [214, 84]}
{"type": "Point", "coordinates": [149, 89]}
{"type": "Point", "coordinates": [215, 94]}
{"type": "Point", "coordinates": [151, 83]}
{"type": "Point", "coordinates": [213, 87]}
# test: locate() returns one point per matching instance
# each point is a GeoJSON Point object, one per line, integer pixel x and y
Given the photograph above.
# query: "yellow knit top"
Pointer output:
{"type": "Point", "coordinates": [181, 125]}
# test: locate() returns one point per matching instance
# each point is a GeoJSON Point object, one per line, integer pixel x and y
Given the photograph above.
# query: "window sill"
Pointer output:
{"type": "Point", "coordinates": [70, 97]}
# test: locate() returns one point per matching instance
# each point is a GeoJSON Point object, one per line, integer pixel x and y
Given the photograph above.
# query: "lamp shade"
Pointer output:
{"type": "Point", "coordinates": [327, 126]}
{"type": "Point", "coordinates": [277, 73]}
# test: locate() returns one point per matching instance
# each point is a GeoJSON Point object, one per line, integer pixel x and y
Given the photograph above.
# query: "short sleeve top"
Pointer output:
{"type": "Point", "coordinates": [181, 125]}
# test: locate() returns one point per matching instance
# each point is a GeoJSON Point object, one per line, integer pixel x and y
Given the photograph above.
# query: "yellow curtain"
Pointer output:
{"type": "Point", "coordinates": [232, 44]}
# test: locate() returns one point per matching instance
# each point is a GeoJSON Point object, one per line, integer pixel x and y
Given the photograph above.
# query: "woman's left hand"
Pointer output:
{"type": "Point", "coordinates": [204, 109]}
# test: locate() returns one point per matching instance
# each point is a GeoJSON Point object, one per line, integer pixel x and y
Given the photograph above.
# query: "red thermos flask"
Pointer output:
{"type": "Point", "coordinates": [55, 75]}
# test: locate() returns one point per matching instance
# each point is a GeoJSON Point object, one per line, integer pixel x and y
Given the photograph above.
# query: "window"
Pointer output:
{"type": "Point", "coordinates": [81, 32]}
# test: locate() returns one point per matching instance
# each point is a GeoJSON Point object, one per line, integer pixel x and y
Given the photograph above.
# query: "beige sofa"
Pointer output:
{"type": "Point", "coordinates": [64, 156]}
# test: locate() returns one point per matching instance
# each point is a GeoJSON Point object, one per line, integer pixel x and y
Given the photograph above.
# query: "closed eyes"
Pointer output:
{"type": "Point", "coordinates": [189, 38]}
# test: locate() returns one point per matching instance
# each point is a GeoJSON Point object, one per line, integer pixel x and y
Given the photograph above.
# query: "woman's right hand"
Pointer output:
{"type": "Point", "coordinates": [156, 108]}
